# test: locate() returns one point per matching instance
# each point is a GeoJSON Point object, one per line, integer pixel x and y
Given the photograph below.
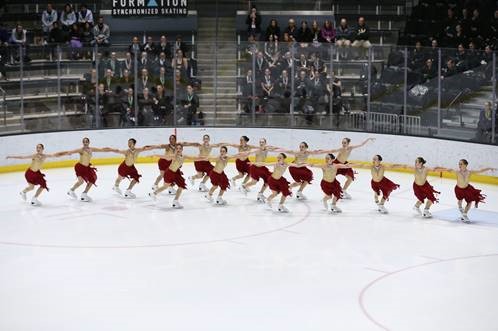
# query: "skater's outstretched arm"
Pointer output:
{"type": "Point", "coordinates": [328, 151]}
{"type": "Point", "coordinates": [117, 151]}
{"type": "Point", "coordinates": [19, 157]}
{"type": "Point", "coordinates": [362, 144]}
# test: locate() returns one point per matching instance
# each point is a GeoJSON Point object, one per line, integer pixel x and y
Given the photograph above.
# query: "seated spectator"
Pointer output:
{"type": "Point", "coordinates": [473, 56]}
{"type": "Point", "coordinates": [291, 30]}
{"type": "Point", "coordinates": [316, 32]}
{"type": "Point", "coordinates": [253, 22]}
{"type": "Point", "coordinates": [127, 80]}
{"type": "Point", "coordinates": [252, 46]}
{"type": "Point", "coordinates": [485, 124]}
{"type": "Point", "coordinates": [272, 46]}
{"type": "Point", "coordinates": [461, 58]}
{"type": "Point", "coordinates": [145, 107]}
{"type": "Point", "coordinates": [180, 44]}
{"type": "Point", "coordinates": [261, 64]}
{"type": "Point", "coordinates": [361, 35]}
{"type": "Point", "coordinates": [304, 33]}
{"type": "Point", "coordinates": [101, 33]}
{"type": "Point", "coordinates": [108, 81]}
{"type": "Point", "coordinates": [458, 38]}
{"type": "Point", "coordinates": [493, 28]}
{"type": "Point", "coordinates": [162, 79]}
{"type": "Point", "coordinates": [4, 34]}
{"type": "Point", "coordinates": [267, 84]}
{"type": "Point", "coordinates": [114, 65]}
{"type": "Point", "coordinates": [180, 63]}
{"type": "Point", "coordinates": [144, 81]}
{"type": "Point", "coordinates": [302, 64]}
{"type": "Point", "coordinates": [317, 63]}
{"type": "Point", "coordinates": [135, 47]}
{"type": "Point", "coordinates": [128, 62]}
{"type": "Point", "coordinates": [56, 35]}
{"type": "Point", "coordinates": [417, 57]}
{"type": "Point", "coordinates": [49, 16]}
{"type": "Point", "coordinates": [150, 48]}
{"type": "Point", "coordinates": [335, 91]}
{"type": "Point", "coordinates": [487, 56]}
{"type": "Point", "coordinates": [128, 117]}
{"type": "Point", "coordinates": [246, 89]}
{"type": "Point", "coordinates": [18, 37]}
{"type": "Point", "coordinates": [433, 53]}
{"type": "Point", "coordinates": [162, 107]}
{"type": "Point", "coordinates": [450, 69]}
{"type": "Point", "coordinates": [343, 37]}
{"type": "Point", "coordinates": [68, 17]}
{"type": "Point", "coordinates": [464, 20]}
{"type": "Point", "coordinates": [162, 62]}
{"type": "Point", "coordinates": [428, 71]}
{"type": "Point", "coordinates": [164, 47]}
{"type": "Point", "coordinates": [273, 29]}
{"type": "Point", "coordinates": [85, 15]}
{"type": "Point", "coordinates": [144, 62]}
{"type": "Point", "coordinates": [284, 83]}
{"type": "Point", "coordinates": [328, 33]}
{"type": "Point", "coordinates": [476, 26]}
{"type": "Point", "coordinates": [86, 33]}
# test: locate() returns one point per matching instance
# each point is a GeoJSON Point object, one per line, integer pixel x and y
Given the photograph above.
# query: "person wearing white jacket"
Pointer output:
{"type": "Point", "coordinates": [68, 17]}
{"type": "Point", "coordinates": [49, 16]}
{"type": "Point", "coordinates": [85, 15]}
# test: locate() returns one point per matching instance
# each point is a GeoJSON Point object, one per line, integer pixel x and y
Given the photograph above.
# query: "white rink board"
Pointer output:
{"type": "Point", "coordinates": [394, 149]}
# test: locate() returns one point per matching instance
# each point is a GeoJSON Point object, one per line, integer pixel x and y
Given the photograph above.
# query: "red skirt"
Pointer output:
{"type": "Point", "coordinates": [243, 166]}
{"type": "Point", "coordinates": [203, 166]}
{"type": "Point", "coordinates": [348, 172]}
{"type": "Point", "coordinates": [220, 180]}
{"type": "Point", "coordinates": [301, 174]}
{"type": "Point", "coordinates": [331, 188]}
{"type": "Point", "coordinates": [128, 172]}
{"type": "Point", "coordinates": [469, 194]}
{"type": "Point", "coordinates": [425, 191]}
{"type": "Point", "coordinates": [280, 185]}
{"type": "Point", "coordinates": [174, 177]}
{"type": "Point", "coordinates": [258, 173]}
{"type": "Point", "coordinates": [88, 173]}
{"type": "Point", "coordinates": [35, 178]}
{"type": "Point", "coordinates": [385, 186]}
{"type": "Point", "coordinates": [163, 164]}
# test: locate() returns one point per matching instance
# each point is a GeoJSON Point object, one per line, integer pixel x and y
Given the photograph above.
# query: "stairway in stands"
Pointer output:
{"type": "Point", "coordinates": [220, 106]}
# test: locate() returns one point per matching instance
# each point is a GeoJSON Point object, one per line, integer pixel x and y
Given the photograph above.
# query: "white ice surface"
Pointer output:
{"type": "Point", "coordinates": [118, 264]}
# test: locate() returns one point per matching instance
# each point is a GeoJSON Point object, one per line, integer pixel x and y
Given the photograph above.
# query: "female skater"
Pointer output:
{"type": "Point", "coordinates": [165, 160]}
{"type": "Point", "coordinates": [329, 184]}
{"type": "Point", "coordinates": [84, 170]}
{"type": "Point", "coordinates": [242, 163]}
{"type": "Point", "coordinates": [277, 182]}
{"type": "Point", "coordinates": [302, 176]}
{"type": "Point", "coordinates": [174, 176]}
{"type": "Point", "coordinates": [465, 191]}
{"type": "Point", "coordinates": [127, 167]}
{"type": "Point", "coordinates": [203, 167]}
{"type": "Point", "coordinates": [258, 172]}
{"type": "Point", "coordinates": [218, 177]}
{"type": "Point", "coordinates": [33, 174]}
{"type": "Point", "coordinates": [381, 184]}
{"type": "Point", "coordinates": [422, 189]}
{"type": "Point", "coordinates": [343, 154]}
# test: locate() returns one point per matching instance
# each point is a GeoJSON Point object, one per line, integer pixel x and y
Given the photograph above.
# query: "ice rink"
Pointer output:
{"type": "Point", "coordinates": [118, 264]}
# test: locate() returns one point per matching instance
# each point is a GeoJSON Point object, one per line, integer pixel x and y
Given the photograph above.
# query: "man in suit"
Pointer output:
{"type": "Point", "coordinates": [114, 65]}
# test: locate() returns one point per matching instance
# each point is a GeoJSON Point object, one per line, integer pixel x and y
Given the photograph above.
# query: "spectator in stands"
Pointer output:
{"type": "Point", "coordinates": [433, 53]}
{"type": "Point", "coordinates": [144, 62]}
{"type": "Point", "coordinates": [428, 71]}
{"type": "Point", "coordinates": [317, 63]}
{"type": "Point", "coordinates": [162, 107]}
{"type": "Point", "coordinates": [302, 64]}
{"type": "Point", "coordinates": [273, 29]}
{"type": "Point", "coordinates": [246, 89]}
{"type": "Point", "coordinates": [267, 84]}
{"type": "Point", "coordinates": [150, 48]}
{"type": "Point", "coordinates": [272, 47]}
{"type": "Point", "coordinates": [3, 59]}
{"type": "Point", "coordinates": [302, 89]}
{"type": "Point", "coordinates": [487, 56]}
{"type": "Point", "coordinates": [253, 22]}
{"type": "Point", "coordinates": [335, 91]}
{"type": "Point", "coordinates": [162, 80]}
{"type": "Point", "coordinates": [101, 33]}
{"type": "Point", "coordinates": [108, 81]}
{"type": "Point", "coordinates": [291, 30]}
{"type": "Point", "coordinates": [283, 84]}
{"type": "Point", "coordinates": [127, 80]}
{"type": "Point", "coordinates": [252, 46]}
{"type": "Point", "coordinates": [85, 15]}
{"type": "Point", "coordinates": [450, 69]}
{"type": "Point", "coordinates": [260, 65]}
{"type": "Point", "coordinates": [465, 20]}
{"type": "Point", "coordinates": [485, 124]}
{"type": "Point", "coordinates": [86, 33]}
{"type": "Point", "coordinates": [458, 38]}
{"type": "Point", "coordinates": [417, 57]}
{"type": "Point", "coordinates": [493, 28]}
{"type": "Point", "coordinates": [18, 37]}
{"type": "Point", "coordinates": [144, 81]}
{"type": "Point", "coordinates": [343, 38]}
{"type": "Point", "coordinates": [128, 63]}
{"type": "Point", "coordinates": [304, 34]}
{"type": "Point", "coordinates": [316, 32]}
{"type": "Point", "coordinates": [180, 44]}
{"type": "Point", "coordinates": [49, 16]}
{"type": "Point", "coordinates": [473, 56]}
{"type": "Point", "coordinates": [4, 34]}
{"type": "Point", "coordinates": [476, 26]}
{"type": "Point", "coordinates": [190, 104]}
{"type": "Point", "coordinates": [114, 65]}
{"type": "Point", "coordinates": [461, 58]}
{"type": "Point", "coordinates": [328, 33]}
{"type": "Point", "coordinates": [180, 63]}
{"type": "Point", "coordinates": [68, 17]}
{"type": "Point", "coordinates": [128, 118]}
{"type": "Point", "coordinates": [162, 62]}
{"type": "Point", "coordinates": [361, 35]}
{"type": "Point", "coordinates": [56, 35]}
{"type": "Point", "coordinates": [449, 26]}
{"type": "Point", "coordinates": [164, 47]}
{"type": "Point", "coordinates": [145, 107]}
{"type": "Point", "coordinates": [135, 47]}
{"type": "Point", "coordinates": [317, 88]}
